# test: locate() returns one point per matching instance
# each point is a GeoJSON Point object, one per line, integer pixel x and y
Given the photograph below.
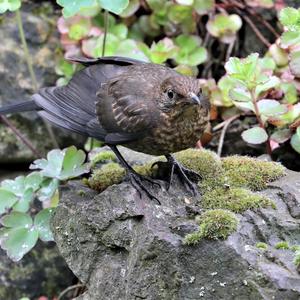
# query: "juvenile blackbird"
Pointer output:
{"type": "Point", "coordinates": [146, 107]}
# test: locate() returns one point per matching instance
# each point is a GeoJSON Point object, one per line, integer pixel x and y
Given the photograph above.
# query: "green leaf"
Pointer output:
{"type": "Point", "coordinates": [16, 220]}
{"type": "Point", "coordinates": [180, 13]}
{"type": "Point", "coordinates": [48, 189]}
{"type": "Point", "coordinates": [80, 29]}
{"type": "Point", "coordinates": [281, 135]}
{"type": "Point", "coordinates": [7, 199]}
{"type": "Point", "coordinates": [130, 9]}
{"type": "Point", "coordinates": [290, 92]}
{"type": "Point", "coordinates": [289, 38]}
{"type": "Point", "coordinates": [240, 94]}
{"type": "Point", "coordinates": [224, 26]}
{"type": "Point", "coordinates": [295, 141]}
{"type": "Point", "coordinates": [289, 17]}
{"type": "Point", "coordinates": [245, 70]}
{"type": "Point", "coordinates": [24, 201]}
{"type": "Point", "coordinates": [129, 48]}
{"type": "Point", "coordinates": [185, 2]}
{"type": "Point", "coordinates": [295, 62]}
{"type": "Point", "coordinates": [270, 84]}
{"type": "Point", "coordinates": [203, 7]}
{"type": "Point", "coordinates": [161, 51]}
{"type": "Point", "coordinates": [73, 163]}
{"type": "Point", "coordinates": [225, 84]}
{"type": "Point", "coordinates": [269, 107]}
{"type": "Point", "coordinates": [19, 241]}
{"type": "Point", "coordinates": [120, 31]}
{"type": "Point", "coordinates": [115, 6]}
{"type": "Point", "coordinates": [255, 135]}
{"type": "Point", "coordinates": [42, 224]}
{"type": "Point", "coordinates": [62, 164]}
{"type": "Point", "coordinates": [71, 8]}
{"type": "Point", "coordinates": [33, 181]}
{"type": "Point", "coordinates": [11, 5]}
{"type": "Point", "coordinates": [279, 55]}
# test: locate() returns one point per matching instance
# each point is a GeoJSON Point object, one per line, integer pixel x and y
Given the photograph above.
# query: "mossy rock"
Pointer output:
{"type": "Point", "coordinates": [213, 224]}
{"type": "Point", "coordinates": [235, 199]}
{"type": "Point", "coordinates": [255, 174]}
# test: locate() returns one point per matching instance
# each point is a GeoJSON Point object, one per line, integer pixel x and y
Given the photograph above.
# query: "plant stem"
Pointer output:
{"type": "Point", "coordinates": [105, 31]}
{"type": "Point", "coordinates": [26, 51]}
{"type": "Point", "coordinates": [31, 71]}
{"type": "Point", "coordinates": [20, 136]}
{"type": "Point", "coordinates": [260, 122]}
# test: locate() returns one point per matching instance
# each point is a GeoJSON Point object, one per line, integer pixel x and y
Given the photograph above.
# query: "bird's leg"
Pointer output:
{"type": "Point", "coordinates": [135, 178]}
{"type": "Point", "coordinates": [184, 174]}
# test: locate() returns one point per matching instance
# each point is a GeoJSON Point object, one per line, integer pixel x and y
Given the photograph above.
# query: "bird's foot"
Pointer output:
{"type": "Point", "coordinates": [186, 176]}
{"type": "Point", "coordinates": [137, 182]}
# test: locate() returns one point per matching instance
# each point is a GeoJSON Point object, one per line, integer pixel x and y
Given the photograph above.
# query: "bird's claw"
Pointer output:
{"type": "Point", "coordinates": [137, 182]}
{"type": "Point", "coordinates": [185, 175]}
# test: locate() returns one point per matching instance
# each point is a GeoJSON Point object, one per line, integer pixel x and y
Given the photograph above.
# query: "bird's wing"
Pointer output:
{"type": "Point", "coordinates": [116, 60]}
{"type": "Point", "coordinates": [124, 112]}
{"type": "Point", "coordinates": [73, 106]}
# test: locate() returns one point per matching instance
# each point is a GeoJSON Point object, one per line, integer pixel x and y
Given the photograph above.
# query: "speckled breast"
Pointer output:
{"type": "Point", "coordinates": [175, 133]}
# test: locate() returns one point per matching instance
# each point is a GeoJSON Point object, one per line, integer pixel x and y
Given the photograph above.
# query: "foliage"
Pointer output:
{"type": "Point", "coordinates": [20, 231]}
{"type": "Point", "coordinates": [10, 5]}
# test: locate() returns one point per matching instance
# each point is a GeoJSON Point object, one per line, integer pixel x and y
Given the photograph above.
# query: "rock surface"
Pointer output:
{"type": "Point", "coordinates": [16, 85]}
{"type": "Point", "coordinates": [126, 247]}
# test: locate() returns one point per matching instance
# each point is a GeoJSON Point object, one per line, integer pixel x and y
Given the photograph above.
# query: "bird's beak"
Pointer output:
{"type": "Point", "coordinates": [194, 99]}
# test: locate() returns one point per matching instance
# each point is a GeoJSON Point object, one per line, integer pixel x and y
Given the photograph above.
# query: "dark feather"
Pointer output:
{"type": "Point", "coordinates": [19, 107]}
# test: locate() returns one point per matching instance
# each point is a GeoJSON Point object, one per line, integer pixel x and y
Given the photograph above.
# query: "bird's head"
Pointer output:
{"type": "Point", "coordinates": [182, 91]}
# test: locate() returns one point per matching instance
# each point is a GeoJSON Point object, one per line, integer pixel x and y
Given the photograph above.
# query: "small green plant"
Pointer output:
{"type": "Point", "coordinates": [20, 232]}
{"type": "Point", "coordinates": [213, 224]}
{"type": "Point", "coordinates": [261, 246]}
{"type": "Point", "coordinates": [282, 245]}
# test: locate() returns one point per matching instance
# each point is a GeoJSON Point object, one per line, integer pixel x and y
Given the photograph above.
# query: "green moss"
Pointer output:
{"type": "Point", "coordinates": [261, 246]}
{"type": "Point", "coordinates": [234, 199]}
{"type": "Point", "coordinates": [109, 174]}
{"type": "Point", "coordinates": [241, 171]}
{"type": "Point", "coordinates": [80, 193]}
{"type": "Point", "coordinates": [213, 224]}
{"type": "Point", "coordinates": [295, 248]}
{"type": "Point", "coordinates": [282, 245]}
{"type": "Point", "coordinates": [206, 163]}
{"type": "Point", "coordinates": [297, 258]}
{"type": "Point", "coordinates": [103, 157]}
{"type": "Point", "coordinates": [146, 170]}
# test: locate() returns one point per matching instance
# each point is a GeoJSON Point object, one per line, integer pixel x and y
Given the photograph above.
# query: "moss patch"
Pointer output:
{"type": "Point", "coordinates": [234, 199]}
{"type": "Point", "coordinates": [213, 224]}
{"type": "Point", "coordinates": [109, 174]}
{"type": "Point", "coordinates": [103, 157]}
{"type": "Point", "coordinates": [243, 171]}
{"type": "Point", "coordinates": [206, 163]}
{"type": "Point", "coordinates": [261, 246]}
{"type": "Point", "coordinates": [283, 245]}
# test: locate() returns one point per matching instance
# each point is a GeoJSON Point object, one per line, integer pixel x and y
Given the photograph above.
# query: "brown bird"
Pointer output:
{"type": "Point", "coordinates": [146, 107]}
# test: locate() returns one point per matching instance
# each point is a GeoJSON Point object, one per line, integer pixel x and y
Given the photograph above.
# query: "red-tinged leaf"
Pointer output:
{"type": "Point", "coordinates": [295, 124]}
{"type": "Point", "coordinates": [281, 136]}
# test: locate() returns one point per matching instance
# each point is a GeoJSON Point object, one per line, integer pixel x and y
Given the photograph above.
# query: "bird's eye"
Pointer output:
{"type": "Point", "coordinates": [170, 94]}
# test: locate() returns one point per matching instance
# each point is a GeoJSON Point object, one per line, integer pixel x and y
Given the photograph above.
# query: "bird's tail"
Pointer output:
{"type": "Point", "coordinates": [20, 107]}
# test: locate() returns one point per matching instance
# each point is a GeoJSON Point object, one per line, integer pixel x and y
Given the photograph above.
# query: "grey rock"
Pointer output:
{"type": "Point", "coordinates": [16, 85]}
{"type": "Point", "coordinates": [126, 247]}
